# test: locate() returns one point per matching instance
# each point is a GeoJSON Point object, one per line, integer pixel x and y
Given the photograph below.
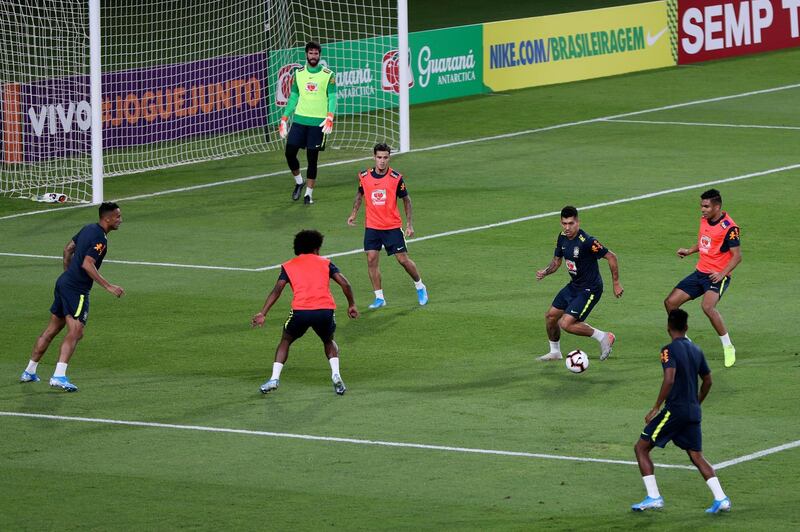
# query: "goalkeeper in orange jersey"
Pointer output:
{"type": "Point", "coordinates": [313, 102]}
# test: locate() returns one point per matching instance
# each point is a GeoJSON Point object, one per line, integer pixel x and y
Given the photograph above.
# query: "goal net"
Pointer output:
{"type": "Point", "coordinates": [182, 82]}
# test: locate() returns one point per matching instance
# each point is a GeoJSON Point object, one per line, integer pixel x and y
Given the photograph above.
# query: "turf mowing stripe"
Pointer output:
{"type": "Point", "coordinates": [431, 148]}
{"type": "Point", "coordinates": [332, 439]}
{"type": "Point", "coordinates": [759, 454]}
{"type": "Point", "coordinates": [705, 124]}
{"type": "Point", "coordinates": [455, 231]}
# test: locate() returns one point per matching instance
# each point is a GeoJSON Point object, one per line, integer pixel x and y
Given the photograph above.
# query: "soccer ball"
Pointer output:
{"type": "Point", "coordinates": [577, 361]}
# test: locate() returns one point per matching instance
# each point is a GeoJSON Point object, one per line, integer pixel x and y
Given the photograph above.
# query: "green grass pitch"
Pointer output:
{"type": "Point", "coordinates": [459, 373]}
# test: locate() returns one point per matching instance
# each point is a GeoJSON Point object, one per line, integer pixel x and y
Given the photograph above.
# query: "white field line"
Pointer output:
{"type": "Point", "coordinates": [431, 148]}
{"type": "Point", "coordinates": [759, 454]}
{"type": "Point", "coordinates": [455, 231]}
{"type": "Point", "coordinates": [705, 124]}
{"type": "Point", "coordinates": [355, 441]}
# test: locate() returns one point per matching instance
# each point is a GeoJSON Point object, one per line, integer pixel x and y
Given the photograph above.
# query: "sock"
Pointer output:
{"type": "Point", "coordinates": [555, 347]}
{"type": "Point", "coordinates": [32, 367]}
{"type": "Point", "coordinates": [726, 340]}
{"type": "Point", "coordinates": [418, 284]}
{"type": "Point", "coordinates": [334, 361]}
{"type": "Point", "coordinates": [61, 370]}
{"type": "Point", "coordinates": [298, 179]}
{"type": "Point", "coordinates": [598, 335]}
{"type": "Point", "coordinates": [650, 485]}
{"type": "Point", "coordinates": [378, 294]}
{"type": "Point", "coordinates": [276, 370]}
{"type": "Point", "coordinates": [309, 192]}
{"type": "Point", "coordinates": [716, 489]}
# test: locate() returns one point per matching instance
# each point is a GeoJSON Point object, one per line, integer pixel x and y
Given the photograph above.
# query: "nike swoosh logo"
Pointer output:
{"type": "Point", "coordinates": [652, 39]}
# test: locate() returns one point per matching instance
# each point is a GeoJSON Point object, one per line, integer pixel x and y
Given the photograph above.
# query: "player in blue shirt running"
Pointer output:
{"type": "Point", "coordinates": [574, 302]}
{"type": "Point", "coordinates": [83, 256]}
{"type": "Point", "coordinates": [679, 421]}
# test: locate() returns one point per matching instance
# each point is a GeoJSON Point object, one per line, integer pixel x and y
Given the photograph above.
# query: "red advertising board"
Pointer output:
{"type": "Point", "coordinates": [713, 29]}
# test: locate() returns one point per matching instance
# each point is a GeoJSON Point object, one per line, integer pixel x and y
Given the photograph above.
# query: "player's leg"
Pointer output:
{"type": "Point", "coordinates": [293, 144]}
{"type": "Point", "coordinates": [653, 501]}
{"type": "Point", "coordinates": [312, 155]}
{"type": "Point", "coordinates": [551, 318]}
{"type": "Point", "coordinates": [74, 334]}
{"type": "Point", "coordinates": [675, 299]}
{"type": "Point", "coordinates": [689, 287]}
{"type": "Point", "coordinates": [325, 327]}
{"type": "Point", "coordinates": [54, 327]}
{"type": "Point", "coordinates": [373, 263]}
{"type": "Point", "coordinates": [709, 304]}
{"type": "Point", "coordinates": [411, 269]}
{"type": "Point", "coordinates": [577, 311]}
{"type": "Point", "coordinates": [295, 326]}
{"type": "Point", "coordinates": [721, 501]}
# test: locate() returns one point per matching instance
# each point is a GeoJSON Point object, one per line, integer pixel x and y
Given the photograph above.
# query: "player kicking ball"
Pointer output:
{"type": "Point", "coordinates": [574, 302]}
{"type": "Point", "coordinates": [312, 305]}
{"type": "Point", "coordinates": [683, 362]}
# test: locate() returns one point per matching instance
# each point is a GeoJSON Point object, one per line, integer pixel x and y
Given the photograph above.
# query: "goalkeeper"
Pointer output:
{"type": "Point", "coordinates": [313, 102]}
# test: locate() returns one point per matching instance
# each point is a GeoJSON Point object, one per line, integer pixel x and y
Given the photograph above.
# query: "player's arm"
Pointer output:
{"type": "Point", "coordinates": [613, 265]}
{"type": "Point", "coordinates": [291, 105]}
{"type": "Point", "coordinates": [409, 212]}
{"type": "Point", "coordinates": [89, 266]}
{"type": "Point", "coordinates": [705, 386]}
{"type": "Point", "coordinates": [666, 386]}
{"type": "Point", "coordinates": [342, 281]}
{"type": "Point", "coordinates": [684, 252]}
{"type": "Point", "coordinates": [69, 251]}
{"type": "Point", "coordinates": [554, 265]}
{"type": "Point", "coordinates": [272, 297]}
{"type": "Point", "coordinates": [351, 220]}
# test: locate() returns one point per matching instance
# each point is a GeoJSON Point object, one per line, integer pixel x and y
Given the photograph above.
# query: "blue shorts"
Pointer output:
{"type": "Point", "coordinates": [577, 302]}
{"type": "Point", "coordinates": [306, 137]}
{"type": "Point", "coordinates": [68, 302]}
{"type": "Point", "coordinates": [698, 283]}
{"type": "Point", "coordinates": [668, 426]}
{"type": "Point", "coordinates": [322, 321]}
{"type": "Point", "coordinates": [391, 239]}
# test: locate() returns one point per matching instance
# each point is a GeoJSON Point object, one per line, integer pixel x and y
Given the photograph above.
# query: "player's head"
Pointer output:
{"type": "Point", "coordinates": [307, 241]}
{"type": "Point", "coordinates": [313, 52]}
{"type": "Point", "coordinates": [110, 215]}
{"type": "Point", "coordinates": [710, 203]}
{"type": "Point", "coordinates": [382, 152]}
{"type": "Point", "coordinates": [570, 224]}
{"type": "Point", "coordinates": [678, 321]}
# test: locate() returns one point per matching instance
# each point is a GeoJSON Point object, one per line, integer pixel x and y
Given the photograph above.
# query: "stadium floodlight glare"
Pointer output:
{"type": "Point", "coordinates": [91, 90]}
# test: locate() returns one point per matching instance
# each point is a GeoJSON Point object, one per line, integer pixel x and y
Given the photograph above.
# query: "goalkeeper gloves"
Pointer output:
{"type": "Point", "coordinates": [327, 124]}
{"type": "Point", "coordinates": [283, 128]}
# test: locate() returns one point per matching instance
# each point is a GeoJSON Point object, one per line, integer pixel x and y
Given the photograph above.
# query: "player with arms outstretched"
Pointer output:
{"type": "Point", "coordinates": [573, 304]}
{"type": "Point", "coordinates": [720, 253]}
{"type": "Point", "coordinates": [312, 305]}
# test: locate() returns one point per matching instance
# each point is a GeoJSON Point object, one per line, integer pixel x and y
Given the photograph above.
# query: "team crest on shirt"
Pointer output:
{"type": "Point", "coordinates": [572, 267]}
{"type": "Point", "coordinates": [575, 252]}
{"type": "Point", "coordinates": [665, 355]}
{"type": "Point", "coordinates": [311, 86]}
{"type": "Point", "coordinates": [705, 242]}
{"type": "Point", "coordinates": [725, 224]}
{"type": "Point", "coordinates": [378, 196]}
{"type": "Point", "coordinates": [99, 247]}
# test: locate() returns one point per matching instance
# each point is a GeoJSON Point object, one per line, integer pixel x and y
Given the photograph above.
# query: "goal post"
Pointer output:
{"type": "Point", "coordinates": [92, 89]}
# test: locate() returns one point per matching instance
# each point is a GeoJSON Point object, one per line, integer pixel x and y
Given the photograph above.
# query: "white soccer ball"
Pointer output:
{"type": "Point", "coordinates": [577, 361]}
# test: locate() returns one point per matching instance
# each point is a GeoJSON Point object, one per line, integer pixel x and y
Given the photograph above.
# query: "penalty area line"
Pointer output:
{"type": "Point", "coordinates": [356, 441]}
{"type": "Point", "coordinates": [758, 454]}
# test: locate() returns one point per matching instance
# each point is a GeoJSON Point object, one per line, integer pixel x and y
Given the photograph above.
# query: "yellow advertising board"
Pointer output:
{"type": "Point", "coordinates": [573, 46]}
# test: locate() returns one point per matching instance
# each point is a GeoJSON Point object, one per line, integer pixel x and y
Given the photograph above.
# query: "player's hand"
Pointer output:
{"type": "Point", "coordinates": [683, 252]}
{"type": "Point", "coordinates": [351, 220]}
{"type": "Point", "coordinates": [618, 290]}
{"type": "Point", "coordinates": [116, 290]}
{"type": "Point", "coordinates": [409, 231]}
{"type": "Point", "coordinates": [541, 274]}
{"type": "Point", "coordinates": [651, 414]}
{"type": "Point", "coordinates": [257, 320]}
{"type": "Point", "coordinates": [716, 277]}
{"type": "Point", "coordinates": [327, 124]}
{"type": "Point", "coordinates": [352, 312]}
{"type": "Point", "coordinates": [283, 127]}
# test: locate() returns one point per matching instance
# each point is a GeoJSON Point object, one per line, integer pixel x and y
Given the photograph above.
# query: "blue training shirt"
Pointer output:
{"type": "Point", "coordinates": [90, 241]}
{"type": "Point", "coordinates": [581, 255]}
{"type": "Point", "coordinates": [689, 363]}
